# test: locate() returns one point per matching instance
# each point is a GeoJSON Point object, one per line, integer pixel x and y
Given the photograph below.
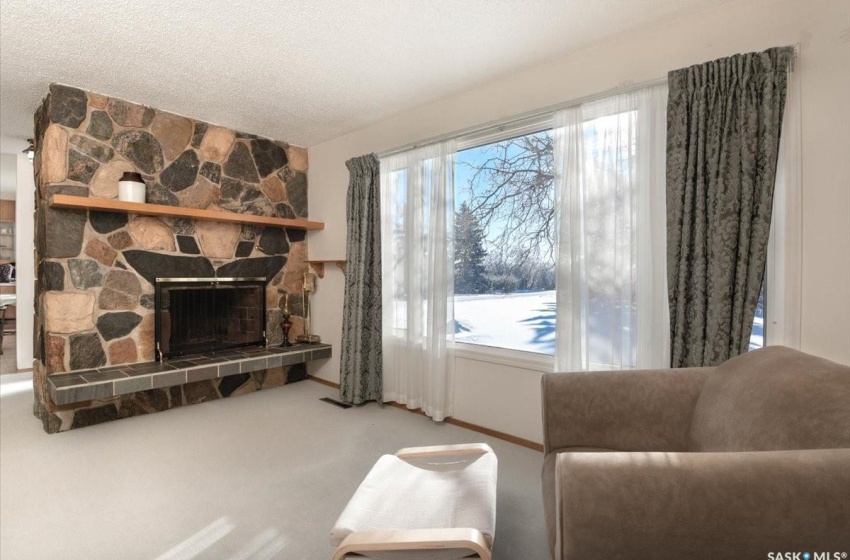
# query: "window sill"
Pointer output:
{"type": "Point", "coordinates": [500, 356]}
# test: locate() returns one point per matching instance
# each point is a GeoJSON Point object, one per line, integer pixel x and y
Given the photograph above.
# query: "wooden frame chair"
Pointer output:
{"type": "Point", "coordinates": [362, 543]}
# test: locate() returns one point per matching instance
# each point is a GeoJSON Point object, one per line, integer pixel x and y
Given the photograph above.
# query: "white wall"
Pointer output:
{"type": "Point", "coordinates": [821, 27]}
{"type": "Point", "coordinates": [25, 260]}
{"type": "Point", "coordinates": [8, 176]}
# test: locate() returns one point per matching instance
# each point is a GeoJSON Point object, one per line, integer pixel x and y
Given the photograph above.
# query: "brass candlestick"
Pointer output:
{"type": "Point", "coordinates": [286, 324]}
{"type": "Point", "coordinates": [306, 288]}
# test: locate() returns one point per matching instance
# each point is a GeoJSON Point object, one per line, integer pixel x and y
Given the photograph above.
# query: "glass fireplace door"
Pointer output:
{"type": "Point", "coordinates": [203, 315]}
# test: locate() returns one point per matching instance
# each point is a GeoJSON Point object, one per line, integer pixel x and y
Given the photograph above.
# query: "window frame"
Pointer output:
{"type": "Point", "coordinates": [511, 357]}
{"type": "Point", "coordinates": [524, 127]}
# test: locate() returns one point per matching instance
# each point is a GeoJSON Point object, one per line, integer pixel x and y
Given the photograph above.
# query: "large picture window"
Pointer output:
{"type": "Point", "coordinates": [541, 237]}
{"type": "Point", "coordinates": [504, 267]}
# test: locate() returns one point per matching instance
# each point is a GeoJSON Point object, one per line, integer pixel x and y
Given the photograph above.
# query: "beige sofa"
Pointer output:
{"type": "Point", "coordinates": [736, 461]}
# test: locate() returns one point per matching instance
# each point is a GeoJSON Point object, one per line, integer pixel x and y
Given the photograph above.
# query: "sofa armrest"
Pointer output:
{"type": "Point", "coordinates": [701, 505]}
{"type": "Point", "coordinates": [626, 410]}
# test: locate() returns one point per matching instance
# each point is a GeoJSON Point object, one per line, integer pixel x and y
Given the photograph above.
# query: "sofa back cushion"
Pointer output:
{"type": "Point", "coordinates": [772, 399]}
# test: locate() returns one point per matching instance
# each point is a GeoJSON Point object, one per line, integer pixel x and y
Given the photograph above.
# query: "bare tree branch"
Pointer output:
{"type": "Point", "coordinates": [511, 189]}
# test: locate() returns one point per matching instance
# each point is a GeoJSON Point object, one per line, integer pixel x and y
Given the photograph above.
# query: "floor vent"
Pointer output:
{"type": "Point", "coordinates": [335, 402]}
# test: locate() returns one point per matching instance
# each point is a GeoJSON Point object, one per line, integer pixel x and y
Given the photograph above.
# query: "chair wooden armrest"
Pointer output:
{"type": "Point", "coordinates": [414, 539]}
{"type": "Point", "coordinates": [444, 450]}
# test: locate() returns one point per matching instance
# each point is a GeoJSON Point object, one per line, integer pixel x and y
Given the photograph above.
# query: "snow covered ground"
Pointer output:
{"type": "Point", "coordinates": [523, 321]}
{"type": "Point", "coordinates": [757, 338]}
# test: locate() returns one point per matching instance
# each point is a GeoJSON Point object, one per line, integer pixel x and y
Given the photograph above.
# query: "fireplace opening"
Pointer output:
{"type": "Point", "coordinates": [195, 315]}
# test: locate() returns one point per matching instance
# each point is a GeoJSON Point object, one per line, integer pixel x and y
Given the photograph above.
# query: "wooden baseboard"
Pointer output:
{"type": "Point", "coordinates": [455, 422]}
{"type": "Point", "coordinates": [324, 381]}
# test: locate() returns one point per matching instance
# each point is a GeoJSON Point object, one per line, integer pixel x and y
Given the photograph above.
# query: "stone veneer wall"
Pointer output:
{"type": "Point", "coordinates": [95, 271]}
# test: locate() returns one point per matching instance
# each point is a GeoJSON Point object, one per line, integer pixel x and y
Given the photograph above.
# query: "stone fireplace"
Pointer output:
{"type": "Point", "coordinates": [97, 272]}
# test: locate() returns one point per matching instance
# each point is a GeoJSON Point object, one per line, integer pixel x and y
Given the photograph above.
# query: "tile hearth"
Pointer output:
{"type": "Point", "coordinates": [100, 383]}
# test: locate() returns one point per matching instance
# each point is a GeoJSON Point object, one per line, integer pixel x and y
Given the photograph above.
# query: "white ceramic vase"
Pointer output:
{"type": "Point", "coordinates": [131, 188]}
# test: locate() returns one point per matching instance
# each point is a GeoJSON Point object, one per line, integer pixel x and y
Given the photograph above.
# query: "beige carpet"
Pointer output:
{"type": "Point", "coordinates": [259, 476]}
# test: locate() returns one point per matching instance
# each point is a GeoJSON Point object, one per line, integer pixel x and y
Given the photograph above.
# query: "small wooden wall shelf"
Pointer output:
{"type": "Point", "coordinates": [319, 266]}
{"type": "Point", "coordinates": [108, 205]}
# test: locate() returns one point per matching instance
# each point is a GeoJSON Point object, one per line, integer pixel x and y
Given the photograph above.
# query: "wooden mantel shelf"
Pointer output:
{"type": "Point", "coordinates": [319, 266]}
{"type": "Point", "coordinates": [109, 205]}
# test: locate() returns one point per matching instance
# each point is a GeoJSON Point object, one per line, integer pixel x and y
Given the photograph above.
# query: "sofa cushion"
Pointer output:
{"type": "Point", "coordinates": [549, 485]}
{"type": "Point", "coordinates": [772, 399]}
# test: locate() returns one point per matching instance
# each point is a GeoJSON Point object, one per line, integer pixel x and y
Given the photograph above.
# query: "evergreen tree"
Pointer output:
{"type": "Point", "coordinates": [470, 274]}
{"type": "Point", "coordinates": [511, 192]}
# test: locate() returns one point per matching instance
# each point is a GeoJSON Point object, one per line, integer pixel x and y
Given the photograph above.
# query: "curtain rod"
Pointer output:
{"type": "Point", "coordinates": [504, 123]}
{"type": "Point", "coordinates": [551, 109]}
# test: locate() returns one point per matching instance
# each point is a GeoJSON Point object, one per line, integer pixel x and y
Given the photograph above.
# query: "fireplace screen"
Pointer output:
{"type": "Point", "coordinates": [205, 314]}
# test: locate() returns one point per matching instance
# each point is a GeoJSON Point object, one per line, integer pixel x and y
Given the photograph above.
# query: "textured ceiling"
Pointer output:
{"type": "Point", "coordinates": [303, 71]}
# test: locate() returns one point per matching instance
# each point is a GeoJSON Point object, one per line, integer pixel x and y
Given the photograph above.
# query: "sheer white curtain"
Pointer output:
{"type": "Point", "coordinates": [418, 277]}
{"type": "Point", "coordinates": [612, 307]}
{"type": "Point", "coordinates": [784, 248]}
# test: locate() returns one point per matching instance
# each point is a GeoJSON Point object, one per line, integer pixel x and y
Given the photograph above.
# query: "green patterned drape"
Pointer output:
{"type": "Point", "coordinates": [360, 376]}
{"type": "Point", "coordinates": [723, 125]}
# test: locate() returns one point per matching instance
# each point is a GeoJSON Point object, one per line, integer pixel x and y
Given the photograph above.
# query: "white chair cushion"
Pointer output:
{"type": "Point", "coordinates": [426, 493]}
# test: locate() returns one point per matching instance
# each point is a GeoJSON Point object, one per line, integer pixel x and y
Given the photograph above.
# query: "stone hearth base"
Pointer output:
{"type": "Point", "coordinates": [88, 397]}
